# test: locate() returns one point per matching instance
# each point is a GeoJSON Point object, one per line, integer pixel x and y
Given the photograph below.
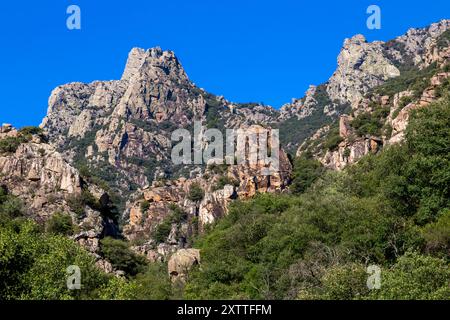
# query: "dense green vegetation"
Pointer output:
{"type": "Point", "coordinates": [196, 193]}
{"type": "Point", "coordinates": [121, 257]}
{"type": "Point", "coordinates": [390, 209]}
{"type": "Point", "coordinates": [410, 79]}
{"type": "Point", "coordinates": [60, 223]}
{"type": "Point", "coordinates": [306, 172]}
{"type": "Point", "coordinates": [444, 40]}
{"type": "Point", "coordinates": [371, 123]}
{"type": "Point", "coordinates": [33, 262]}
{"type": "Point", "coordinates": [223, 181]}
{"type": "Point", "coordinates": [213, 109]}
{"type": "Point", "coordinates": [293, 131]}
{"type": "Point", "coordinates": [10, 144]}
{"type": "Point", "coordinates": [332, 139]}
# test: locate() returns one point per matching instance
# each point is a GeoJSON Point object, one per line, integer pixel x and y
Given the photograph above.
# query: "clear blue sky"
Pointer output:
{"type": "Point", "coordinates": [246, 50]}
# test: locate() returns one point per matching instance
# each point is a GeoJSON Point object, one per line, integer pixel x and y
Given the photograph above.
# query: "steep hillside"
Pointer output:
{"type": "Point", "coordinates": [362, 179]}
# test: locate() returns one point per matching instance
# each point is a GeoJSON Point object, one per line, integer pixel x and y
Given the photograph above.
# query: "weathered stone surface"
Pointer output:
{"type": "Point", "coordinates": [361, 66]}
{"type": "Point", "coordinates": [215, 205]}
{"type": "Point", "coordinates": [181, 262]}
{"type": "Point", "coordinates": [50, 170]}
{"type": "Point", "coordinates": [300, 108]}
{"type": "Point", "coordinates": [125, 126]}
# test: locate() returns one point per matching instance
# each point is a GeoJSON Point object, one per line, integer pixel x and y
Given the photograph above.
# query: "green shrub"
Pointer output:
{"type": "Point", "coordinates": [152, 284]}
{"type": "Point", "coordinates": [78, 202]}
{"type": "Point", "coordinates": [370, 123]}
{"type": "Point", "coordinates": [437, 235]}
{"type": "Point", "coordinates": [11, 207]}
{"type": "Point", "coordinates": [441, 90]}
{"type": "Point", "coordinates": [177, 214]}
{"type": "Point", "coordinates": [411, 78]}
{"type": "Point", "coordinates": [10, 144]}
{"type": "Point", "coordinates": [31, 131]}
{"type": "Point", "coordinates": [223, 181]}
{"type": "Point", "coordinates": [60, 223]}
{"type": "Point", "coordinates": [404, 101]}
{"type": "Point", "coordinates": [415, 277]}
{"type": "Point", "coordinates": [196, 193]}
{"type": "Point", "coordinates": [444, 40]}
{"type": "Point", "coordinates": [162, 231]}
{"type": "Point", "coordinates": [332, 142]}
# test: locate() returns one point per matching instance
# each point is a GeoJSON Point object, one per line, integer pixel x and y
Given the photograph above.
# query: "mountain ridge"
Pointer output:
{"type": "Point", "coordinates": [116, 134]}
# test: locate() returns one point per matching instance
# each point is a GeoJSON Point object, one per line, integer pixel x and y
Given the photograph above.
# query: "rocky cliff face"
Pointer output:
{"type": "Point", "coordinates": [46, 184]}
{"type": "Point", "coordinates": [361, 66]}
{"type": "Point", "coordinates": [159, 204]}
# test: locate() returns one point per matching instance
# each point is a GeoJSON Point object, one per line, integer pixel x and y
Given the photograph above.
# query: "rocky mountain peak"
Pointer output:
{"type": "Point", "coordinates": [152, 62]}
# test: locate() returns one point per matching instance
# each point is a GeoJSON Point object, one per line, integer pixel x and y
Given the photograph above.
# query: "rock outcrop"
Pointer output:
{"type": "Point", "coordinates": [361, 66]}
{"type": "Point", "coordinates": [41, 178]}
{"type": "Point", "coordinates": [121, 131]}
{"type": "Point", "coordinates": [181, 262]}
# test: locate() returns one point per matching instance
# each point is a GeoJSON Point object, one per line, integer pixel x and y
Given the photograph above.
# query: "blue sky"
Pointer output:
{"type": "Point", "coordinates": [246, 50]}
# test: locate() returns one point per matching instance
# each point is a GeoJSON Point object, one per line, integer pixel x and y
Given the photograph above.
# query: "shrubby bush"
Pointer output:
{"type": "Point", "coordinates": [223, 181]}
{"type": "Point", "coordinates": [78, 202]}
{"type": "Point", "coordinates": [332, 139]}
{"type": "Point", "coordinates": [370, 123]}
{"type": "Point", "coordinates": [145, 205]}
{"type": "Point", "coordinates": [10, 144]}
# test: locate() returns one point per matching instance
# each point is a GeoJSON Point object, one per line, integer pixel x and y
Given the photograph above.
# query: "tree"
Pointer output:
{"type": "Point", "coordinates": [152, 284]}
{"type": "Point", "coordinates": [196, 193]}
{"type": "Point", "coordinates": [415, 277]}
{"type": "Point", "coordinates": [437, 235]}
{"type": "Point", "coordinates": [121, 256]}
{"type": "Point", "coordinates": [342, 282]}
{"type": "Point", "coordinates": [305, 172]}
